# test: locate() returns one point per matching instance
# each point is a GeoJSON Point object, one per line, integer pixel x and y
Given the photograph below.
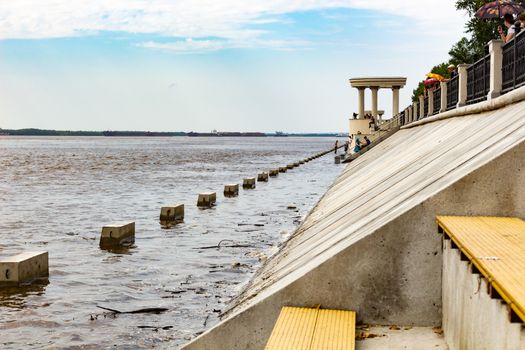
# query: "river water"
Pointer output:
{"type": "Point", "coordinates": [57, 193]}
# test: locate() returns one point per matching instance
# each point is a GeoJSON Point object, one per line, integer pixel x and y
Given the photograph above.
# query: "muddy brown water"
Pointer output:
{"type": "Point", "coordinates": [57, 193]}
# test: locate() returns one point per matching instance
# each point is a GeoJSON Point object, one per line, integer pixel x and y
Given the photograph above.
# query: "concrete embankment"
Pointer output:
{"type": "Point", "coordinates": [370, 244]}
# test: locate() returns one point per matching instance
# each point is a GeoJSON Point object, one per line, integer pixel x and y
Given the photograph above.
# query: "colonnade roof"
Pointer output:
{"type": "Point", "coordinates": [380, 82]}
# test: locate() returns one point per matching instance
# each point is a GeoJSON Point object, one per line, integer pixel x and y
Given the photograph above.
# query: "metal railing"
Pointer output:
{"type": "Point", "coordinates": [452, 92]}
{"type": "Point", "coordinates": [513, 68]}
{"type": "Point", "coordinates": [437, 101]}
{"type": "Point", "coordinates": [478, 80]}
{"type": "Point", "coordinates": [472, 84]}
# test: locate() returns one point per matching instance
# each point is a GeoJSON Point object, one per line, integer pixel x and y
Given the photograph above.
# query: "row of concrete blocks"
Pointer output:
{"type": "Point", "coordinates": [29, 266]}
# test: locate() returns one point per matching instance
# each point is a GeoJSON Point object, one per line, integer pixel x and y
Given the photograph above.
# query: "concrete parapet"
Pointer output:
{"type": "Point", "coordinates": [120, 233]}
{"type": "Point", "coordinates": [274, 172]}
{"type": "Point", "coordinates": [207, 199]}
{"type": "Point", "coordinates": [248, 183]}
{"type": "Point", "coordinates": [23, 268]}
{"type": "Point", "coordinates": [283, 169]}
{"type": "Point", "coordinates": [231, 190]}
{"type": "Point", "coordinates": [262, 177]}
{"type": "Point", "coordinates": [172, 214]}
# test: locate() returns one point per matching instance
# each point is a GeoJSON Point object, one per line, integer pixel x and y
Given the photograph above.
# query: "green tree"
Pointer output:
{"type": "Point", "coordinates": [466, 50]}
{"type": "Point", "coordinates": [481, 31]}
{"type": "Point", "coordinates": [462, 52]}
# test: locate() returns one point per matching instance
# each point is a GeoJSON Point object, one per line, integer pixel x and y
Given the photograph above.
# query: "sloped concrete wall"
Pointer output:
{"type": "Point", "coordinates": [392, 276]}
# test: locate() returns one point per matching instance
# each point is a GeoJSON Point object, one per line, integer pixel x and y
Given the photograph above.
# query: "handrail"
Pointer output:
{"type": "Point", "coordinates": [499, 72]}
{"type": "Point", "coordinates": [437, 101]}
{"type": "Point", "coordinates": [425, 107]}
{"type": "Point", "coordinates": [478, 80]}
{"type": "Point", "coordinates": [513, 67]}
{"type": "Point", "coordinates": [452, 92]}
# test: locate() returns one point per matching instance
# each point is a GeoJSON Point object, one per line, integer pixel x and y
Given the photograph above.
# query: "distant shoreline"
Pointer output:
{"type": "Point", "coordinates": [44, 132]}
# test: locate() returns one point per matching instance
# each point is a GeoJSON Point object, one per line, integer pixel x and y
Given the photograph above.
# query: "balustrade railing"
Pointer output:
{"type": "Point", "coordinates": [437, 101]}
{"type": "Point", "coordinates": [452, 92]}
{"type": "Point", "coordinates": [513, 68]}
{"type": "Point", "coordinates": [478, 80]}
{"type": "Point", "coordinates": [473, 83]}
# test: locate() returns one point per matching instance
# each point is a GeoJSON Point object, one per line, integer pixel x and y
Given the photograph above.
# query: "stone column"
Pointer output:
{"type": "Point", "coordinates": [395, 101]}
{"type": "Point", "coordinates": [430, 103]}
{"type": "Point", "coordinates": [443, 86]}
{"type": "Point", "coordinates": [421, 113]}
{"type": "Point", "coordinates": [496, 72]}
{"type": "Point", "coordinates": [408, 118]}
{"type": "Point", "coordinates": [374, 101]}
{"type": "Point", "coordinates": [361, 102]}
{"type": "Point", "coordinates": [462, 85]}
{"type": "Point", "coordinates": [414, 112]}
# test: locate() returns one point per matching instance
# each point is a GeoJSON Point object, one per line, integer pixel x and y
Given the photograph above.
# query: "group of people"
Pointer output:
{"type": "Point", "coordinates": [513, 25]}
{"type": "Point", "coordinates": [359, 145]}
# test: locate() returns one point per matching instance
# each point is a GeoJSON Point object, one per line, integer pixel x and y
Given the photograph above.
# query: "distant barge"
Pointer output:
{"type": "Point", "coordinates": [227, 134]}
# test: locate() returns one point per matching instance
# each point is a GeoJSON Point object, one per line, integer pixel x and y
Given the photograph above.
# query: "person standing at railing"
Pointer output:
{"type": "Point", "coordinates": [511, 30]}
{"type": "Point", "coordinates": [521, 18]}
{"type": "Point", "coordinates": [451, 71]}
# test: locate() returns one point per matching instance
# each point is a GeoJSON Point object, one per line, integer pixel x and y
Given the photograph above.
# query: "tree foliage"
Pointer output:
{"type": "Point", "coordinates": [462, 52]}
{"type": "Point", "coordinates": [479, 32]}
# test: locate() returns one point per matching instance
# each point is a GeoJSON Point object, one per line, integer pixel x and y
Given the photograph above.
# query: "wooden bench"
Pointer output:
{"type": "Point", "coordinates": [496, 248]}
{"type": "Point", "coordinates": [299, 328]}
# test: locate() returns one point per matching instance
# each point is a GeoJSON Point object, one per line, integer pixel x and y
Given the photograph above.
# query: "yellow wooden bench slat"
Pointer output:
{"type": "Point", "coordinates": [299, 328]}
{"type": "Point", "coordinates": [496, 246]}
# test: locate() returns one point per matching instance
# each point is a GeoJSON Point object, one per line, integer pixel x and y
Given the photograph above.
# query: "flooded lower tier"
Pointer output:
{"type": "Point", "coordinates": [57, 193]}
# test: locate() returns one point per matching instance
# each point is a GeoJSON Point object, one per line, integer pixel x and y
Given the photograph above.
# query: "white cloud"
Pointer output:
{"type": "Point", "coordinates": [190, 46]}
{"type": "Point", "coordinates": [225, 19]}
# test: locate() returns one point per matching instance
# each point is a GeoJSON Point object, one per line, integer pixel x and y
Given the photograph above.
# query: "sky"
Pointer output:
{"type": "Point", "coordinates": [199, 65]}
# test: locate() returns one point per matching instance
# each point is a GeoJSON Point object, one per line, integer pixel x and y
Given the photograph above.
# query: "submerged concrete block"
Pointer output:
{"type": "Point", "coordinates": [296, 164]}
{"type": "Point", "coordinates": [337, 160]}
{"type": "Point", "coordinates": [274, 172]}
{"type": "Point", "coordinates": [290, 166]}
{"type": "Point", "coordinates": [283, 169]}
{"type": "Point", "coordinates": [120, 233]}
{"type": "Point", "coordinates": [207, 199]}
{"type": "Point", "coordinates": [23, 267]}
{"type": "Point", "coordinates": [231, 190]}
{"type": "Point", "coordinates": [172, 214]}
{"type": "Point", "coordinates": [248, 183]}
{"type": "Point", "coordinates": [262, 177]}
{"type": "Point", "coordinates": [301, 162]}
